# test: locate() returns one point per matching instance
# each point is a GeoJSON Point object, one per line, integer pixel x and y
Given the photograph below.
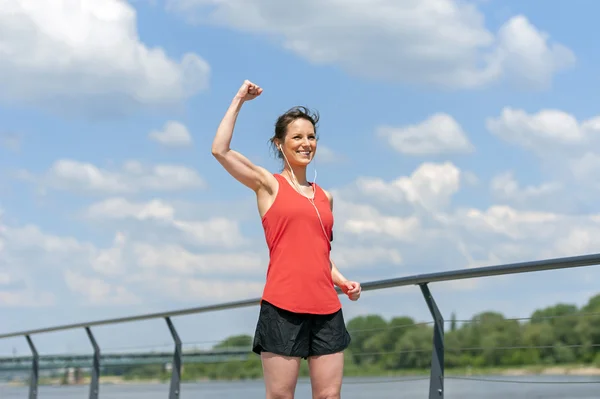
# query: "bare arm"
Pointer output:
{"type": "Point", "coordinates": [350, 288]}
{"type": "Point", "coordinates": [337, 277]}
{"type": "Point", "coordinates": [238, 166]}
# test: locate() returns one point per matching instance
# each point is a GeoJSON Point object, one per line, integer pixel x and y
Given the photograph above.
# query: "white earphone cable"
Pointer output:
{"type": "Point", "coordinates": [299, 190]}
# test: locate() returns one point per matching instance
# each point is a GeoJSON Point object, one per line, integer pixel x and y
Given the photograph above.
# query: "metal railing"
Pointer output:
{"type": "Point", "coordinates": [436, 379]}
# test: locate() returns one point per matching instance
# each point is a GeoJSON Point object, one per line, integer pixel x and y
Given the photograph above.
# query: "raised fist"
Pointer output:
{"type": "Point", "coordinates": [249, 91]}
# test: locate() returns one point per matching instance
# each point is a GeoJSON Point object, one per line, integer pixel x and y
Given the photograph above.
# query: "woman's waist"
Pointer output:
{"type": "Point", "coordinates": [310, 263]}
{"type": "Point", "coordinates": [309, 258]}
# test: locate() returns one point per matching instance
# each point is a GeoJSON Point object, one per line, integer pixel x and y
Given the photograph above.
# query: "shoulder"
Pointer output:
{"type": "Point", "coordinates": [329, 197]}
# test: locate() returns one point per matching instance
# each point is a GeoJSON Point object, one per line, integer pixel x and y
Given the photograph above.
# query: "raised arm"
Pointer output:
{"type": "Point", "coordinates": [240, 167]}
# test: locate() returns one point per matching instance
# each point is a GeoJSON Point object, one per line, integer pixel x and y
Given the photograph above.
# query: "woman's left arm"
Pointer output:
{"type": "Point", "coordinates": [350, 288]}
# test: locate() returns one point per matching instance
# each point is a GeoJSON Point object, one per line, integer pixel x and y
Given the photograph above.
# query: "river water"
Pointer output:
{"type": "Point", "coordinates": [522, 387]}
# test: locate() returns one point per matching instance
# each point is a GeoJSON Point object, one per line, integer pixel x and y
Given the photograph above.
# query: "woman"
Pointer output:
{"type": "Point", "coordinates": [300, 314]}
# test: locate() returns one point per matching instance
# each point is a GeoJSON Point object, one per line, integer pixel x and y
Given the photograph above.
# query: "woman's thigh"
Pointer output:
{"type": "Point", "coordinates": [329, 338]}
{"type": "Point", "coordinates": [280, 375]}
{"type": "Point", "coordinates": [326, 372]}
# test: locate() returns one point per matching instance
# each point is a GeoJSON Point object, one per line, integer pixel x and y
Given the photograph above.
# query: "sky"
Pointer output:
{"type": "Point", "coordinates": [453, 134]}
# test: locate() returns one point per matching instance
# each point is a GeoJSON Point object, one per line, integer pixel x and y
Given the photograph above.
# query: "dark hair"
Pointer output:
{"type": "Point", "coordinates": [299, 112]}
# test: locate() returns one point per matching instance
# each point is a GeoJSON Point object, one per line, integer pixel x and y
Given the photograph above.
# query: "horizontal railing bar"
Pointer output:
{"type": "Point", "coordinates": [486, 271]}
{"type": "Point", "coordinates": [148, 316]}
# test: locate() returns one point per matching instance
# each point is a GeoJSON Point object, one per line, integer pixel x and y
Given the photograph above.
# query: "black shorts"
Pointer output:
{"type": "Point", "coordinates": [299, 334]}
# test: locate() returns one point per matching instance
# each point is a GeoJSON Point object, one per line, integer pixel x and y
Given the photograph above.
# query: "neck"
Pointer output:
{"type": "Point", "coordinates": [299, 172]}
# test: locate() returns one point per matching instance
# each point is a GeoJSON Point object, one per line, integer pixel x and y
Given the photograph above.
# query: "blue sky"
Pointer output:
{"type": "Point", "coordinates": [453, 135]}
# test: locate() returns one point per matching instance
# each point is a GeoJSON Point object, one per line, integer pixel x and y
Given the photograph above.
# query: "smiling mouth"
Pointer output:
{"type": "Point", "coordinates": [307, 153]}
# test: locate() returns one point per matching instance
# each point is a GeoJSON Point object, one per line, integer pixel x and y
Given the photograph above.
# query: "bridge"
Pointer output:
{"type": "Point", "coordinates": [53, 362]}
{"type": "Point", "coordinates": [93, 361]}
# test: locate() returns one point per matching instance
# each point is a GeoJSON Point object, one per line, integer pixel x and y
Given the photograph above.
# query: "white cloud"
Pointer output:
{"type": "Point", "coordinates": [41, 269]}
{"type": "Point", "coordinates": [173, 134]}
{"type": "Point", "coordinates": [121, 208]}
{"type": "Point", "coordinates": [216, 231]}
{"type": "Point", "coordinates": [133, 177]}
{"type": "Point", "coordinates": [439, 134]}
{"type": "Point", "coordinates": [383, 224]}
{"type": "Point", "coordinates": [552, 135]}
{"type": "Point", "coordinates": [32, 241]}
{"type": "Point", "coordinates": [24, 249]}
{"type": "Point", "coordinates": [542, 131]}
{"type": "Point", "coordinates": [439, 42]}
{"type": "Point", "coordinates": [431, 186]}
{"type": "Point", "coordinates": [111, 261]}
{"type": "Point", "coordinates": [378, 221]}
{"type": "Point", "coordinates": [88, 55]}
{"type": "Point", "coordinates": [374, 239]}
{"type": "Point", "coordinates": [505, 187]}
{"type": "Point", "coordinates": [194, 289]}
{"type": "Point", "coordinates": [365, 256]}
{"type": "Point", "coordinates": [96, 291]}
{"type": "Point", "coordinates": [505, 221]}
{"type": "Point", "coordinates": [467, 238]}
{"type": "Point", "coordinates": [585, 168]}
{"type": "Point", "coordinates": [176, 258]}
{"type": "Point", "coordinates": [501, 234]}
{"type": "Point", "coordinates": [362, 220]}
{"type": "Point", "coordinates": [524, 53]}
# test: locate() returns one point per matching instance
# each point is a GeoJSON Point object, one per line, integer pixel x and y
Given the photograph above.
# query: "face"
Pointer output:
{"type": "Point", "coordinates": [300, 143]}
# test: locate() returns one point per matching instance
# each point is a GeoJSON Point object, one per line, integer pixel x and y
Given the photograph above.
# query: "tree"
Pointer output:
{"type": "Point", "coordinates": [235, 341]}
{"type": "Point", "coordinates": [361, 329]}
{"type": "Point", "coordinates": [453, 322]}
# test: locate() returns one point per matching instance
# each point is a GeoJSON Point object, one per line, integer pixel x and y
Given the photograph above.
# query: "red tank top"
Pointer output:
{"type": "Point", "coordinates": [299, 272]}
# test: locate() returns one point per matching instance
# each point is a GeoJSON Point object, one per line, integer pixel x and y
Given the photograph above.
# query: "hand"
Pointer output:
{"type": "Point", "coordinates": [352, 289]}
{"type": "Point", "coordinates": [249, 91]}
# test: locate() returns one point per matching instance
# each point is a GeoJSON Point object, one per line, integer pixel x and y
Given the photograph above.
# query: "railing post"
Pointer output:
{"type": "Point", "coordinates": [436, 381]}
{"type": "Point", "coordinates": [174, 389]}
{"type": "Point", "coordinates": [94, 382]}
{"type": "Point", "coordinates": [33, 383]}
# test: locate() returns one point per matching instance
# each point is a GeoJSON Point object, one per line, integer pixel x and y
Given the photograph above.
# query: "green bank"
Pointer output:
{"type": "Point", "coordinates": [558, 339]}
